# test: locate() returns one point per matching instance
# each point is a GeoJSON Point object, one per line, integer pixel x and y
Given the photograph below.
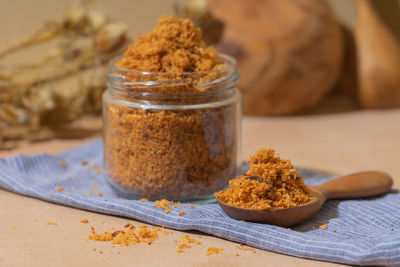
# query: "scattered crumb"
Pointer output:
{"type": "Point", "coordinates": [313, 228]}
{"type": "Point", "coordinates": [192, 207]}
{"type": "Point", "coordinates": [246, 249]}
{"type": "Point", "coordinates": [129, 236]}
{"type": "Point", "coordinates": [143, 200]}
{"type": "Point", "coordinates": [51, 223]}
{"type": "Point", "coordinates": [84, 220]}
{"type": "Point", "coordinates": [186, 241]}
{"type": "Point", "coordinates": [62, 162]}
{"type": "Point", "coordinates": [30, 250]}
{"type": "Point", "coordinates": [242, 221]}
{"type": "Point", "coordinates": [164, 204]}
{"type": "Point", "coordinates": [97, 169]}
{"type": "Point", "coordinates": [60, 188]}
{"type": "Point", "coordinates": [94, 249]}
{"type": "Point", "coordinates": [214, 250]}
{"type": "Point", "coordinates": [184, 245]}
{"type": "Point", "coordinates": [13, 227]}
{"type": "Point", "coordinates": [322, 227]}
{"type": "Point", "coordinates": [182, 213]}
{"type": "Point", "coordinates": [84, 163]}
{"type": "Point", "coordinates": [189, 239]}
{"type": "Point", "coordinates": [237, 254]}
{"type": "Point", "coordinates": [290, 229]}
{"type": "Point", "coordinates": [99, 193]}
{"type": "Point", "coordinates": [334, 231]}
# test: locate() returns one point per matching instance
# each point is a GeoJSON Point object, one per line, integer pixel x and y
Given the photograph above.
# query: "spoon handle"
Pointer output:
{"type": "Point", "coordinates": [362, 184]}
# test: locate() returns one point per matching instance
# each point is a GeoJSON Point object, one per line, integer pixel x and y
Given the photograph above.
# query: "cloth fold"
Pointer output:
{"type": "Point", "coordinates": [361, 232]}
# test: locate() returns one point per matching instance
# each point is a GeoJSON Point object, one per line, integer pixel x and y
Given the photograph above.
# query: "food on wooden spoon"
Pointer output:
{"type": "Point", "coordinates": [273, 192]}
{"type": "Point", "coordinates": [271, 182]}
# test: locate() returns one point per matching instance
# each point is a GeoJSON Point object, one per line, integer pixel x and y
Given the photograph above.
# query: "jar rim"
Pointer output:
{"type": "Point", "coordinates": [230, 60]}
{"type": "Point", "coordinates": [118, 79]}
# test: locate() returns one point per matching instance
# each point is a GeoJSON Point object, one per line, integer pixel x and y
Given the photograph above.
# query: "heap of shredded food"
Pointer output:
{"type": "Point", "coordinates": [271, 182]}
{"type": "Point", "coordinates": [130, 235]}
{"type": "Point", "coordinates": [173, 46]}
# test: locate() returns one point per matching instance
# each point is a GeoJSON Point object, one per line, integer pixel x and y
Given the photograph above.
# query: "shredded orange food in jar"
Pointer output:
{"type": "Point", "coordinates": [171, 153]}
{"type": "Point", "coordinates": [271, 182]}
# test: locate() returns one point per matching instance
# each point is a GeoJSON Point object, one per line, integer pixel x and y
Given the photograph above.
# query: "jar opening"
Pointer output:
{"type": "Point", "coordinates": [186, 83]}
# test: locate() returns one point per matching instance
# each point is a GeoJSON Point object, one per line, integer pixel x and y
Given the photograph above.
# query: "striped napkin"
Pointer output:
{"type": "Point", "coordinates": [362, 232]}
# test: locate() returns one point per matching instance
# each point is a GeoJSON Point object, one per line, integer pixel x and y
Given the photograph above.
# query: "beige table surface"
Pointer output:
{"type": "Point", "coordinates": [341, 143]}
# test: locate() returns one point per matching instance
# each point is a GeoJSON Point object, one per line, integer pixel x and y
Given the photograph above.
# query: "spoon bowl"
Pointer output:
{"type": "Point", "coordinates": [357, 185]}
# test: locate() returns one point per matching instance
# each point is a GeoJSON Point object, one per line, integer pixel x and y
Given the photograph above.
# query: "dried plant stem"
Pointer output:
{"type": "Point", "coordinates": [48, 32]}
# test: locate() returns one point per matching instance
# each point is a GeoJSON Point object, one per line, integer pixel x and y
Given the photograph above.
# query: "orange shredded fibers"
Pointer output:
{"type": "Point", "coordinates": [246, 249]}
{"type": "Point", "coordinates": [271, 182]}
{"type": "Point", "coordinates": [182, 213]}
{"type": "Point", "coordinates": [84, 220]}
{"type": "Point", "coordinates": [97, 169]}
{"type": "Point", "coordinates": [143, 200]}
{"type": "Point", "coordinates": [184, 245]}
{"type": "Point", "coordinates": [128, 236]}
{"type": "Point", "coordinates": [84, 163]}
{"type": "Point", "coordinates": [179, 251]}
{"type": "Point", "coordinates": [173, 46]}
{"type": "Point", "coordinates": [186, 241]}
{"type": "Point", "coordinates": [51, 223]}
{"type": "Point", "coordinates": [59, 189]}
{"type": "Point", "coordinates": [214, 250]}
{"type": "Point", "coordinates": [322, 227]}
{"type": "Point", "coordinates": [167, 205]}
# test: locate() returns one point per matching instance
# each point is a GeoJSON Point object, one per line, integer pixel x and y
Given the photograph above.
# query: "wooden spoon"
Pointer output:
{"type": "Point", "coordinates": [357, 185]}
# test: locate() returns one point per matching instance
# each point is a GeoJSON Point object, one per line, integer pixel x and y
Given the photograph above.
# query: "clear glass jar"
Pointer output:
{"type": "Point", "coordinates": [160, 143]}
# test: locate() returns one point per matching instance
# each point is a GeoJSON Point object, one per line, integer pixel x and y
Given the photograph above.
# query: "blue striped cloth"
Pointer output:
{"type": "Point", "coordinates": [362, 232]}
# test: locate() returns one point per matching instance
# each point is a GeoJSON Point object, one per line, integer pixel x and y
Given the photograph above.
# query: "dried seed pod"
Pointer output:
{"type": "Point", "coordinates": [75, 19]}
{"type": "Point", "coordinates": [12, 115]}
{"type": "Point", "coordinates": [96, 20]}
{"type": "Point", "coordinates": [38, 99]}
{"type": "Point", "coordinates": [111, 36]}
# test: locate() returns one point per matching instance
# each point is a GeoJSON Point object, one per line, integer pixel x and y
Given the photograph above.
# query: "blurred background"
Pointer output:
{"type": "Point", "coordinates": [301, 57]}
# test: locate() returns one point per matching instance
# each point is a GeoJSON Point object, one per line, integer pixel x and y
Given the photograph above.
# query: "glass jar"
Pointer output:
{"type": "Point", "coordinates": [171, 136]}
